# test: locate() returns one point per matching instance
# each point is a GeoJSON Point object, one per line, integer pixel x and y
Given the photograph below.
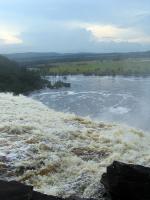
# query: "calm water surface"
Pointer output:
{"type": "Point", "coordinates": [119, 99]}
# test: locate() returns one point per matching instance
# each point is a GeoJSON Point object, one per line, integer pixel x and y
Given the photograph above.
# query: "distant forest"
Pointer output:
{"type": "Point", "coordinates": [34, 59]}
{"type": "Point", "coordinates": [125, 67]}
{"type": "Point", "coordinates": [101, 64]}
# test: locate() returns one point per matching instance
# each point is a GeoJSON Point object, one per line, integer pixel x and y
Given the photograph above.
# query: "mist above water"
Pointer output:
{"type": "Point", "coordinates": [118, 99]}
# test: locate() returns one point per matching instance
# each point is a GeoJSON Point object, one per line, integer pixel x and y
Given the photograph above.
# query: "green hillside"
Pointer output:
{"type": "Point", "coordinates": [16, 79]}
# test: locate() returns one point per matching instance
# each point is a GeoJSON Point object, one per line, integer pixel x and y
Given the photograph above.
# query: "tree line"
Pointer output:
{"type": "Point", "coordinates": [16, 79]}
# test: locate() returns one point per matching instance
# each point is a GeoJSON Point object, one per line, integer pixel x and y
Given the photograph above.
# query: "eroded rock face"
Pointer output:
{"type": "Point", "coordinates": [127, 182]}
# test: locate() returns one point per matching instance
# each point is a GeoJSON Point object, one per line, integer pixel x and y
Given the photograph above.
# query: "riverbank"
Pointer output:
{"type": "Point", "coordinates": [62, 154]}
{"type": "Point", "coordinates": [21, 80]}
{"type": "Point", "coordinates": [124, 67]}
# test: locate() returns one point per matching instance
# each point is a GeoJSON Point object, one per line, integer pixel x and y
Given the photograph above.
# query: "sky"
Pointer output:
{"type": "Point", "coordinates": [74, 26]}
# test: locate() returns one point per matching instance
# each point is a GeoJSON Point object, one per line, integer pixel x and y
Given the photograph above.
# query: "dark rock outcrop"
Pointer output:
{"type": "Point", "coordinates": [127, 182]}
{"type": "Point", "coordinates": [40, 196]}
{"type": "Point", "coordinates": [14, 191]}
{"type": "Point", "coordinates": [17, 191]}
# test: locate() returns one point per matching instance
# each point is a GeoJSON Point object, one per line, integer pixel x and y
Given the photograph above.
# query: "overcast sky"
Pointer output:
{"type": "Point", "coordinates": [74, 25]}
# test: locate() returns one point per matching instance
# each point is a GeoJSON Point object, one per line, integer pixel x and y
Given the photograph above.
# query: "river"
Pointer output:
{"type": "Point", "coordinates": [113, 99]}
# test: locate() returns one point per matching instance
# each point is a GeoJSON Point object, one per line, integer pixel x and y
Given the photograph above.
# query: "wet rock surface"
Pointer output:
{"type": "Point", "coordinates": [126, 182]}
{"type": "Point", "coordinates": [17, 191]}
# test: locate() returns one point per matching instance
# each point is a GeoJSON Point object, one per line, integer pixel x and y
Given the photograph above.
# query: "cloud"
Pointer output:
{"type": "Point", "coordinates": [113, 33]}
{"type": "Point", "coordinates": [10, 37]}
{"type": "Point", "coordinates": [97, 25]}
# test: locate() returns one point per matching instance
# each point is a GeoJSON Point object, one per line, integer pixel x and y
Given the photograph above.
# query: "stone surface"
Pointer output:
{"type": "Point", "coordinates": [127, 182]}
{"type": "Point", "coordinates": [14, 191]}
{"type": "Point", "coordinates": [17, 191]}
{"type": "Point", "coordinates": [40, 196]}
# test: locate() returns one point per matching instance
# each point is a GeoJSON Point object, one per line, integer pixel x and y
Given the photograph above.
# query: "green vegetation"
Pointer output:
{"type": "Point", "coordinates": [22, 80]}
{"type": "Point", "coordinates": [28, 59]}
{"type": "Point", "coordinates": [16, 79]}
{"type": "Point", "coordinates": [113, 67]}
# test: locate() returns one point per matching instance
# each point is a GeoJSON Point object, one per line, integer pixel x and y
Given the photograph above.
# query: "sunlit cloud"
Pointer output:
{"type": "Point", "coordinates": [10, 38]}
{"type": "Point", "coordinates": [95, 26]}
{"type": "Point", "coordinates": [112, 33]}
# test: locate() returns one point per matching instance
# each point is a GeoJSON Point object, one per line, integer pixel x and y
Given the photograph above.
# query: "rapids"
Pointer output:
{"type": "Point", "coordinates": [62, 154]}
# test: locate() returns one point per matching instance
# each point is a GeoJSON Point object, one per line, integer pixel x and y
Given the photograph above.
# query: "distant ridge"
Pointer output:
{"type": "Point", "coordinates": [50, 57]}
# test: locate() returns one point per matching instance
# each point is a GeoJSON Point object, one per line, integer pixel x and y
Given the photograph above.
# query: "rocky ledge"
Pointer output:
{"type": "Point", "coordinates": [17, 191]}
{"type": "Point", "coordinates": [126, 182]}
{"type": "Point", "coordinates": [121, 181]}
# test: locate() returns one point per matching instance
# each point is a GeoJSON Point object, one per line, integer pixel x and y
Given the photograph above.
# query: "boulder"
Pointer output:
{"type": "Point", "coordinates": [14, 191]}
{"type": "Point", "coordinates": [17, 191]}
{"type": "Point", "coordinates": [126, 182]}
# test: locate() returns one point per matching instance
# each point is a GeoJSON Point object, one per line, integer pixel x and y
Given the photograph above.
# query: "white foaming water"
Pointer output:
{"type": "Point", "coordinates": [119, 110]}
{"type": "Point", "coordinates": [62, 154]}
{"type": "Point", "coordinates": [71, 93]}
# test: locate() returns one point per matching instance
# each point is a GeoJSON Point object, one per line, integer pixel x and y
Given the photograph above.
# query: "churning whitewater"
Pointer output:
{"type": "Point", "coordinates": [62, 154]}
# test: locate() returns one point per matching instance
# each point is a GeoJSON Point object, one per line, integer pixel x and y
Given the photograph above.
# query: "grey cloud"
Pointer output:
{"type": "Point", "coordinates": [41, 24]}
